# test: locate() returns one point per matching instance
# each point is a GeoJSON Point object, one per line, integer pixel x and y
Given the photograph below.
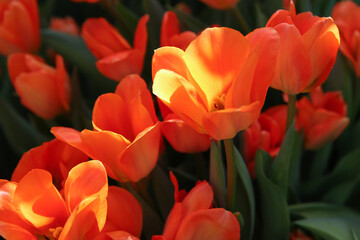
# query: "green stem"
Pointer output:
{"type": "Point", "coordinates": [291, 110]}
{"type": "Point", "coordinates": [231, 174]}
{"type": "Point", "coordinates": [245, 29]}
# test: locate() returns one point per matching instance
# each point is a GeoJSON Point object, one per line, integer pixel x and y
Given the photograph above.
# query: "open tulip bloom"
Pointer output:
{"type": "Point", "coordinates": [179, 120]}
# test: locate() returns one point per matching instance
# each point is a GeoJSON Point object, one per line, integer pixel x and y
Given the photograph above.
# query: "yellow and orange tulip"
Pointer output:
{"type": "Point", "coordinates": [127, 132]}
{"type": "Point", "coordinates": [218, 91]}
{"type": "Point", "coordinates": [308, 50]}
{"type": "Point", "coordinates": [41, 88]}
{"type": "Point", "coordinates": [346, 15]}
{"type": "Point", "coordinates": [116, 58]}
{"type": "Point", "coordinates": [20, 27]}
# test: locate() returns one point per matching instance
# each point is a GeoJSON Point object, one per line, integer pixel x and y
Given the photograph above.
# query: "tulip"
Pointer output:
{"type": "Point", "coordinates": [55, 156]}
{"type": "Point", "coordinates": [65, 25]}
{"type": "Point", "coordinates": [322, 119]}
{"type": "Point", "coordinates": [193, 218]}
{"type": "Point", "coordinates": [127, 133]}
{"type": "Point", "coordinates": [308, 50]}
{"type": "Point", "coordinates": [20, 28]}
{"type": "Point", "coordinates": [41, 88]}
{"type": "Point", "coordinates": [217, 91]}
{"type": "Point", "coordinates": [220, 4]}
{"type": "Point", "coordinates": [345, 15]}
{"type": "Point", "coordinates": [34, 209]}
{"type": "Point", "coordinates": [116, 57]}
{"type": "Point", "coordinates": [267, 133]}
{"type": "Point", "coordinates": [171, 34]}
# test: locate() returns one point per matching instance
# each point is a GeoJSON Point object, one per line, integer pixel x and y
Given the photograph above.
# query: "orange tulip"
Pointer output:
{"type": "Point", "coordinates": [217, 91]}
{"type": "Point", "coordinates": [308, 50]}
{"type": "Point", "coordinates": [267, 133]}
{"type": "Point", "coordinates": [171, 34]}
{"type": "Point", "coordinates": [193, 218]}
{"type": "Point", "coordinates": [116, 57]}
{"type": "Point", "coordinates": [346, 15]}
{"type": "Point", "coordinates": [35, 209]}
{"type": "Point", "coordinates": [127, 133]}
{"type": "Point", "coordinates": [39, 211]}
{"type": "Point", "coordinates": [55, 156]}
{"type": "Point", "coordinates": [19, 28]}
{"type": "Point", "coordinates": [65, 25]}
{"type": "Point", "coordinates": [322, 119]}
{"type": "Point", "coordinates": [41, 88]}
{"type": "Point", "coordinates": [220, 4]}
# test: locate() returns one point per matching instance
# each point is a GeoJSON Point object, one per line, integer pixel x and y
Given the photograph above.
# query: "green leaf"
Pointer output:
{"type": "Point", "coordinates": [74, 51]}
{"type": "Point", "coordinates": [190, 22]}
{"type": "Point", "coordinates": [163, 190]}
{"type": "Point", "coordinates": [245, 200]}
{"type": "Point", "coordinates": [272, 202]}
{"type": "Point", "coordinates": [20, 134]}
{"type": "Point", "coordinates": [260, 18]}
{"type": "Point", "coordinates": [290, 150]}
{"type": "Point", "coordinates": [341, 192]}
{"type": "Point", "coordinates": [346, 170]}
{"type": "Point", "coordinates": [320, 161]}
{"type": "Point", "coordinates": [271, 6]}
{"type": "Point", "coordinates": [327, 221]}
{"type": "Point", "coordinates": [217, 175]}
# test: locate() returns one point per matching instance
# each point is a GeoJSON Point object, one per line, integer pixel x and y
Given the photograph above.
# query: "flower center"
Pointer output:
{"type": "Point", "coordinates": [53, 234]}
{"type": "Point", "coordinates": [218, 103]}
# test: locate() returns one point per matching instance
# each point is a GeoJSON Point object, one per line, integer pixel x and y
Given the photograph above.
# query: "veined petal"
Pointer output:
{"type": "Point", "coordinates": [214, 60]}
{"type": "Point", "coordinates": [180, 96]}
{"type": "Point", "coordinates": [225, 124]}
{"type": "Point", "coordinates": [214, 223]}
{"type": "Point", "coordinates": [140, 157]}
{"type": "Point", "coordinates": [169, 58]}
{"type": "Point", "coordinates": [124, 212]}
{"type": "Point", "coordinates": [78, 188]}
{"type": "Point", "coordinates": [293, 66]}
{"type": "Point", "coordinates": [39, 201]}
{"type": "Point", "coordinates": [87, 219]}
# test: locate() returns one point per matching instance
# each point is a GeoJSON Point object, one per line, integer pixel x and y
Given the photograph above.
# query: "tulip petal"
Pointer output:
{"type": "Point", "coordinates": [141, 36]}
{"type": "Point", "coordinates": [39, 201]}
{"type": "Point", "coordinates": [169, 58]}
{"type": "Point", "coordinates": [86, 180]}
{"type": "Point", "coordinates": [140, 157]}
{"type": "Point", "coordinates": [225, 124]}
{"type": "Point", "coordinates": [39, 94]}
{"type": "Point", "coordinates": [182, 137]}
{"type": "Point", "coordinates": [118, 65]}
{"type": "Point", "coordinates": [180, 96]}
{"type": "Point", "coordinates": [102, 38]}
{"type": "Point", "coordinates": [124, 212]}
{"type": "Point", "coordinates": [87, 219]}
{"type": "Point", "coordinates": [116, 235]}
{"type": "Point", "coordinates": [214, 223]}
{"type": "Point", "coordinates": [169, 27]}
{"type": "Point", "coordinates": [293, 63]}
{"type": "Point", "coordinates": [214, 60]}
{"type": "Point", "coordinates": [62, 83]}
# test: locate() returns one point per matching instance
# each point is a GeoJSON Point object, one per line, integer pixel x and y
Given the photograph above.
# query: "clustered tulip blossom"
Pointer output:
{"type": "Point", "coordinates": [109, 171]}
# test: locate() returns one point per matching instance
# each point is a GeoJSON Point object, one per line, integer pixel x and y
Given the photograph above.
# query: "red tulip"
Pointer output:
{"type": "Point", "coordinates": [192, 217]}
{"type": "Point", "coordinates": [308, 50]}
{"type": "Point", "coordinates": [322, 119]}
{"type": "Point", "coordinates": [55, 156]}
{"type": "Point", "coordinates": [41, 88]}
{"type": "Point", "coordinates": [19, 27]}
{"type": "Point", "coordinates": [217, 91]}
{"type": "Point", "coordinates": [116, 57]}
{"type": "Point", "coordinates": [220, 4]}
{"type": "Point", "coordinates": [127, 133]}
{"type": "Point", "coordinates": [65, 25]}
{"type": "Point", "coordinates": [267, 133]}
{"type": "Point", "coordinates": [346, 15]}
{"type": "Point", "coordinates": [171, 34]}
